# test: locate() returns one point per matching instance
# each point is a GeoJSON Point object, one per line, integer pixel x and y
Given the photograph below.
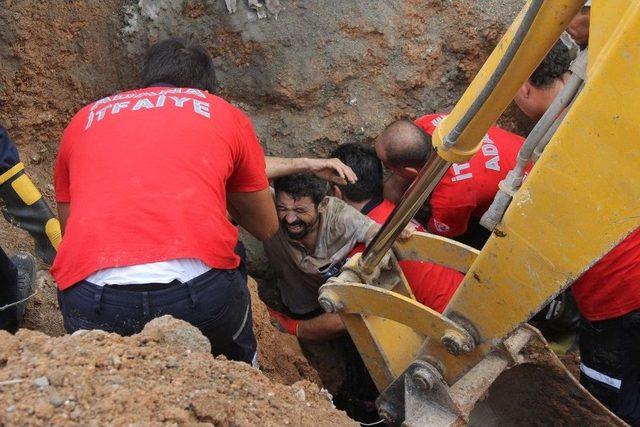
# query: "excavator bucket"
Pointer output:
{"type": "Point", "coordinates": [535, 389]}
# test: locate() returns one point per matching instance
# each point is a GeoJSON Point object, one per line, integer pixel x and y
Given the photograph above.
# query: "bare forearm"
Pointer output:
{"type": "Point", "coordinates": [322, 328]}
{"type": "Point", "coordinates": [64, 209]}
{"type": "Point", "coordinates": [281, 166]}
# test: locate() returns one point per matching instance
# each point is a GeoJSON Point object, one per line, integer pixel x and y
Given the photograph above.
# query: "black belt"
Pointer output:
{"type": "Point", "coordinates": [145, 287]}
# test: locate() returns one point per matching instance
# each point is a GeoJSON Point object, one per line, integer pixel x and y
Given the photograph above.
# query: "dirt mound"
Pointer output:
{"type": "Point", "coordinates": [164, 374]}
{"type": "Point", "coordinates": [279, 354]}
{"type": "Point", "coordinates": [43, 312]}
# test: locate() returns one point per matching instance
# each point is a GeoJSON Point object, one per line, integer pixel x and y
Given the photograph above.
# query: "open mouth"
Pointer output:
{"type": "Point", "coordinates": [295, 228]}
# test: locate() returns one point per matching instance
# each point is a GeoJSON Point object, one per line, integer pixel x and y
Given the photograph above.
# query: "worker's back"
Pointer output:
{"type": "Point", "coordinates": [467, 189]}
{"type": "Point", "coordinates": [148, 171]}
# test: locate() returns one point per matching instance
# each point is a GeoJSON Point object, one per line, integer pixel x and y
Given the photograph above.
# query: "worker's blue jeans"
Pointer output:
{"type": "Point", "coordinates": [8, 293]}
{"type": "Point", "coordinates": [216, 302]}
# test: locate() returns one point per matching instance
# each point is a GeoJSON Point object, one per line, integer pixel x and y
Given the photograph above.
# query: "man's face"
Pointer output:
{"type": "Point", "coordinates": [297, 217]}
{"type": "Point", "coordinates": [579, 28]}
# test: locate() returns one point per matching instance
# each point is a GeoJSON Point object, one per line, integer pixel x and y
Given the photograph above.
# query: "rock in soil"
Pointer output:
{"type": "Point", "coordinates": [97, 378]}
{"type": "Point", "coordinates": [279, 354]}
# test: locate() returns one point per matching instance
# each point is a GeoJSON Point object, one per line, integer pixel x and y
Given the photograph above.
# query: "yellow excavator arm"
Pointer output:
{"type": "Point", "coordinates": [580, 200]}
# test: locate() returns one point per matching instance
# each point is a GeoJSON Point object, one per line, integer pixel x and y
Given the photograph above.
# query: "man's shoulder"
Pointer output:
{"type": "Point", "coordinates": [502, 136]}
{"type": "Point", "coordinates": [429, 122]}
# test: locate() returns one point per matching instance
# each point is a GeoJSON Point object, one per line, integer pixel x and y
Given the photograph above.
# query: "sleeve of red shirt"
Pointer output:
{"type": "Point", "coordinates": [61, 169]}
{"type": "Point", "coordinates": [449, 221]}
{"type": "Point", "coordinates": [249, 173]}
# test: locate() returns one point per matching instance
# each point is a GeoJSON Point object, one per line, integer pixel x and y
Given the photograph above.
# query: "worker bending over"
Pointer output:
{"type": "Point", "coordinates": [143, 181]}
{"type": "Point", "coordinates": [433, 285]}
{"type": "Point", "coordinates": [466, 190]}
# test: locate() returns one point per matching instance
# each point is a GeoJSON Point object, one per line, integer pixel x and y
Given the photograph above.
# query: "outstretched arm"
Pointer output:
{"type": "Point", "coordinates": [255, 212]}
{"type": "Point", "coordinates": [332, 170]}
{"type": "Point", "coordinates": [321, 328]}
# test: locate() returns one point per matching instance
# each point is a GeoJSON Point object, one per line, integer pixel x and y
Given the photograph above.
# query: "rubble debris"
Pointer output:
{"type": "Point", "coordinates": [77, 379]}
{"type": "Point", "coordinates": [279, 355]}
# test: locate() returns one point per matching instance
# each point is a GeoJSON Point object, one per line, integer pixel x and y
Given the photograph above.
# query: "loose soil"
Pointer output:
{"type": "Point", "coordinates": [165, 374]}
{"type": "Point", "coordinates": [279, 354]}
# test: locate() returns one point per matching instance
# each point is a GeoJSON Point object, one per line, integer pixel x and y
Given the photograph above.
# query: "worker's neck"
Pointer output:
{"type": "Point", "coordinates": [549, 94]}
{"type": "Point", "coordinates": [311, 238]}
{"type": "Point", "coordinates": [357, 205]}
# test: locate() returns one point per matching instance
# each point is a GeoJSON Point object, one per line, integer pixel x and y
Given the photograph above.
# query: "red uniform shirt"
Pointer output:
{"type": "Point", "coordinates": [146, 173]}
{"type": "Point", "coordinates": [611, 288]}
{"type": "Point", "coordinates": [467, 189]}
{"type": "Point", "coordinates": [433, 285]}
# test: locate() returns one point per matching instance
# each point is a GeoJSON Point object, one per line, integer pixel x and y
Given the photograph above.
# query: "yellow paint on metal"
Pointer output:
{"type": "Point", "coordinates": [551, 20]}
{"type": "Point", "coordinates": [399, 343]}
{"type": "Point", "coordinates": [26, 190]}
{"type": "Point", "coordinates": [52, 229]}
{"type": "Point", "coordinates": [436, 249]}
{"type": "Point", "coordinates": [370, 350]}
{"type": "Point", "coordinates": [6, 176]}
{"type": "Point", "coordinates": [356, 298]}
{"type": "Point", "coordinates": [605, 15]}
{"type": "Point", "coordinates": [580, 200]}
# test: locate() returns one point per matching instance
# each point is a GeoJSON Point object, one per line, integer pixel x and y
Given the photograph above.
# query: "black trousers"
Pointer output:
{"type": "Point", "coordinates": [610, 363]}
{"type": "Point", "coordinates": [216, 302]}
{"type": "Point", "coordinates": [8, 293]}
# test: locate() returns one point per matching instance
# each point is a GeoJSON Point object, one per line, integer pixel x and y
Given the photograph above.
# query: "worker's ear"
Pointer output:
{"type": "Point", "coordinates": [409, 173]}
{"type": "Point", "coordinates": [525, 90]}
{"type": "Point", "coordinates": [336, 192]}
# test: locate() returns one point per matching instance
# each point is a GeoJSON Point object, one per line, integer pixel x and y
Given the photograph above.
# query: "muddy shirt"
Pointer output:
{"type": "Point", "coordinates": [300, 274]}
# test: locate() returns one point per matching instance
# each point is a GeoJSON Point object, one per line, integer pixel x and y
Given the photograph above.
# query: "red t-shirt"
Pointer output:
{"type": "Point", "coordinates": [433, 285]}
{"type": "Point", "coordinates": [467, 189]}
{"type": "Point", "coordinates": [611, 288]}
{"type": "Point", "coordinates": [146, 173]}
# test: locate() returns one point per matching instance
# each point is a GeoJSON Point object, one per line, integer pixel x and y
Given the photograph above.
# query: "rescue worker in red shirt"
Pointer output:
{"type": "Point", "coordinates": [466, 190]}
{"type": "Point", "coordinates": [143, 181]}
{"type": "Point", "coordinates": [433, 285]}
{"type": "Point", "coordinates": [607, 295]}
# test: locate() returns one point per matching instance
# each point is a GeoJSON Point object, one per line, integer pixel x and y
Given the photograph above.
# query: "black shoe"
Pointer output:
{"type": "Point", "coordinates": [25, 263]}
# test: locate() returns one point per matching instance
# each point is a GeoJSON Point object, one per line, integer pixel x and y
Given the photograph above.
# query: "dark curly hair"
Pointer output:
{"type": "Point", "coordinates": [302, 185]}
{"type": "Point", "coordinates": [367, 167]}
{"type": "Point", "coordinates": [552, 67]}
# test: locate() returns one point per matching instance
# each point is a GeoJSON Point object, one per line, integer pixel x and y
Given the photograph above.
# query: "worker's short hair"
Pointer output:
{"type": "Point", "coordinates": [301, 185]}
{"type": "Point", "coordinates": [552, 67]}
{"type": "Point", "coordinates": [367, 167]}
{"type": "Point", "coordinates": [181, 62]}
{"type": "Point", "coordinates": [406, 145]}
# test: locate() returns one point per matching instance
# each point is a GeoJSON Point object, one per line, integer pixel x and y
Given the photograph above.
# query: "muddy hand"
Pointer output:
{"type": "Point", "coordinates": [407, 232]}
{"type": "Point", "coordinates": [332, 170]}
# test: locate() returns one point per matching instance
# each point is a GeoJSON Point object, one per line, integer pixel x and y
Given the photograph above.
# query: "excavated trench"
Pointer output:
{"type": "Point", "coordinates": [319, 74]}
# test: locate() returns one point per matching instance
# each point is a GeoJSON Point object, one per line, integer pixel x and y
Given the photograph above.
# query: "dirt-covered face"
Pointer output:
{"type": "Point", "coordinates": [298, 217]}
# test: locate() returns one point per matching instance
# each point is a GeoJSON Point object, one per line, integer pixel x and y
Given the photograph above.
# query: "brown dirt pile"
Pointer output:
{"type": "Point", "coordinates": [165, 374]}
{"type": "Point", "coordinates": [279, 354]}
